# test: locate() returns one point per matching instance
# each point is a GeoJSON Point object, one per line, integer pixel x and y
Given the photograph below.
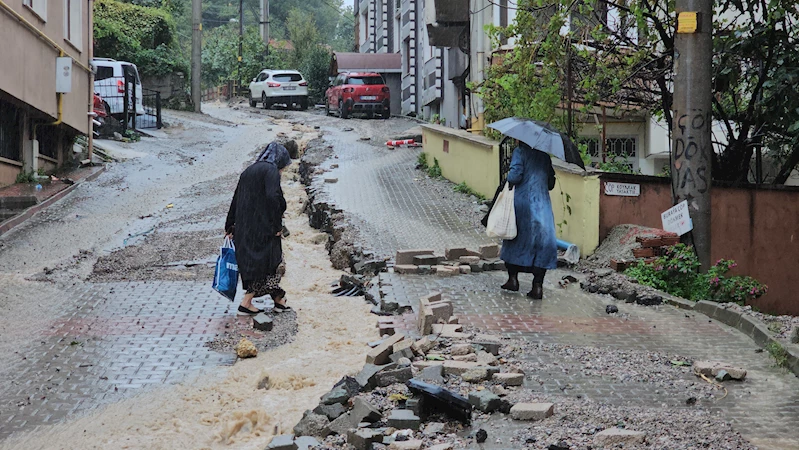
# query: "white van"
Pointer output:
{"type": "Point", "coordinates": [109, 84]}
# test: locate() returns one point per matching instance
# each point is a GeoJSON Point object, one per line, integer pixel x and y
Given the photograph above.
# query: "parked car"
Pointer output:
{"type": "Point", "coordinates": [109, 83]}
{"type": "Point", "coordinates": [358, 92]}
{"type": "Point", "coordinates": [275, 87]}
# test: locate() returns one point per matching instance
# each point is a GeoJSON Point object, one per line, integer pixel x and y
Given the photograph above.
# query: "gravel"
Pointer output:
{"type": "Point", "coordinates": [283, 331]}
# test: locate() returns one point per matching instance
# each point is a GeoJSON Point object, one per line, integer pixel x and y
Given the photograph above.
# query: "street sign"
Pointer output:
{"type": "Point", "coordinates": [623, 189]}
{"type": "Point", "coordinates": [677, 220]}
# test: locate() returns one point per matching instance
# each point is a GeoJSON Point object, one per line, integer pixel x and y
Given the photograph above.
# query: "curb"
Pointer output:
{"type": "Point", "coordinates": [21, 218]}
{"type": "Point", "coordinates": [746, 324]}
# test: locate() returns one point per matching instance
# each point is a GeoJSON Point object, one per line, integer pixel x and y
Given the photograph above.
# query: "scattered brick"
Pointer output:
{"type": "Point", "coordinates": [615, 436]}
{"type": "Point", "coordinates": [467, 260]}
{"type": "Point", "coordinates": [262, 322]}
{"type": "Point", "coordinates": [509, 379]}
{"type": "Point", "coordinates": [379, 355]}
{"type": "Point", "coordinates": [489, 251]}
{"type": "Point", "coordinates": [406, 268]}
{"type": "Point", "coordinates": [406, 256]}
{"type": "Point", "coordinates": [532, 411]}
{"type": "Point", "coordinates": [453, 254]}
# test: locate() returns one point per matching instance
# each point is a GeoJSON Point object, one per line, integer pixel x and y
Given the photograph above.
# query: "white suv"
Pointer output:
{"type": "Point", "coordinates": [110, 85]}
{"type": "Point", "coordinates": [272, 87]}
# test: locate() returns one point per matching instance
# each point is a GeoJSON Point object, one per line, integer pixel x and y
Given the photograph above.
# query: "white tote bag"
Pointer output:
{"type": "Point", "coordinates": [502, 220]}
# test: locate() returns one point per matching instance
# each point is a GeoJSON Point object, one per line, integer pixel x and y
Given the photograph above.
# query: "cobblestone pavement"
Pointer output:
{"type": "Point", "coordinates": [120, 339]}
{"type": "Point", "coordinates": [765, 408]}
{"type": "Point", "coordinates": [381, 192]}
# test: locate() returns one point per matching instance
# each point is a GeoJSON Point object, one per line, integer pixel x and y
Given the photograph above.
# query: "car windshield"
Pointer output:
{"type": "Point", "coordinates": [286, 77]}
{"type": "Point", "coordinates": [360, 81]}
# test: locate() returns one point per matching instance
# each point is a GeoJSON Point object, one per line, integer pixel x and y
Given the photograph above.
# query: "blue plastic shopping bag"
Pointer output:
{"type": "Point", "coordinates": [226, 275]}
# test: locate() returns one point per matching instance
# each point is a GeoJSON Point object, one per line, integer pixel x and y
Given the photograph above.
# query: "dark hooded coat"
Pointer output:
{"type": "Point", "coordinates": [255, 217]}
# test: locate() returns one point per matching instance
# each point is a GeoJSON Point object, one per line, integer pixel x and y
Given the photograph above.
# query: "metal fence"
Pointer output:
{"type": "Point", "coordinates": [135, 107]}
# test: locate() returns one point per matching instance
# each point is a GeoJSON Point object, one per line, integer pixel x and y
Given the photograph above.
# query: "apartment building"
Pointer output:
{"type": "Point", "coordinates": [45, 91]}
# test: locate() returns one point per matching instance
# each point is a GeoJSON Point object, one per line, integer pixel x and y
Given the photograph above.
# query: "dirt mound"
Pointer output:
{"type": "Point", "coordinates": [619, 244]}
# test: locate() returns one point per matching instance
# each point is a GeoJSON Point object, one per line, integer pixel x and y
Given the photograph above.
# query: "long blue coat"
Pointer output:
{"type": "Point", "coordinates": [535, 243]}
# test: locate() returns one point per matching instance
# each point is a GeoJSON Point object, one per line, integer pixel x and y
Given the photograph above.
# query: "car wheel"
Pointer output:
{"type": "Point", "coordinates": [304, 104]}
{"type": "Point", "coordinates": [253, 103]}
{"type": "Point", "coordinates": [264, 101]}
{"type": "Point", "coordinates": [342, 109]}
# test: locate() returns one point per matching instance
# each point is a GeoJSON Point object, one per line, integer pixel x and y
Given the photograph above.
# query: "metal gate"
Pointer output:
{"type": "Point", "coordinates": [506, 148]}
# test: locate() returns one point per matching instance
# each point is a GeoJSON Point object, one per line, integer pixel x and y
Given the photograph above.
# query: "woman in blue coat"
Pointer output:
{"type": "Point", "coordinates": [534, 250]}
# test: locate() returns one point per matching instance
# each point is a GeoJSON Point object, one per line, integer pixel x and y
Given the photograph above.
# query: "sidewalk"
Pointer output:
{"type": "Point", "coordinates": [50, 193]}
{"type": "Point", "coordinates": [377, 187]}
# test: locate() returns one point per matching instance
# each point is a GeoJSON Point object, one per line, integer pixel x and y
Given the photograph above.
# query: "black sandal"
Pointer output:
{"type": "Point", "coordinates": [282, 308]}
{"type": "Point", "coordinates": [243, 310]}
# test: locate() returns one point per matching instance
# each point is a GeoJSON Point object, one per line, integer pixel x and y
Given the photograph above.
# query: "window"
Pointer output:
{"type": "Point", "coordinates": [39, 7]}
{"type": "Point", "coordinates": [368, 81]}
{"type": "Point", "coordinates": [49, 140]}
{"type": "Point", "coordinates": [617, 149]}
{"type": "Point", "coordinates": [286, 77]}
{"type": "Point", "coordinates": [104, 73]}
{"type": "Point", "coordinates": [73, 23]}
{"type": "Point", "coordinates": [10, 132]}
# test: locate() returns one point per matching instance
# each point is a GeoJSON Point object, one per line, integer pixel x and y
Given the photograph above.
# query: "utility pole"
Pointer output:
{"type": "Point", "coordinates": [692, 118]}
{"type": "Point", "coordinates": [241, 41]}
{"type": "Point", "coordinates": [196, 53]}
{"type": "Point", "coordinates": [265, 23]}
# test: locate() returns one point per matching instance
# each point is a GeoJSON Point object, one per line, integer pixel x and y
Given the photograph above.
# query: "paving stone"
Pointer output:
{"type": "Point", "coordinates": [336, 395]}
{"type": "Point", "coordinates": [406, 256]}
{"type": "Point", "coordinates": [458, 367]}
{"type": "Point", "coordinates": [402, 349]}
{"type": "Point", "coordinates": [425, 319]}
{"type": "Point", "coordinates": [471, 357]}
{"type": "Point", "coordinates": [389, 377]}
{"type": "Point", "coordinates": [485, 400]}
{"type": "Point", "coordinates": [431, 297]}
{"type": "Point", "coordinates": [282, 442]}
{"type": "Point", "coordinates": [461, 349]}
{"type": "Point", "coordinates": [432, 374]}
{"type": "Point", "coordinates": [410, 444]}
{"type": "Point", "coordinates": [413, 404]}
{"type": "Point", "coordinates": [422, 346]}
{"type": "Point", "coordinates": [366, 378]}
{"type": "Point", "coordinates": [342, 424]}
{"type": "Point", "coordinates": [532, 411]}
{"type": "Point", "coordinates": [379, 355]}
{"type": "Point", "coordinates": [406, 268]}
{"type": "Point", "coordinates": [509, 379]}
{"type": "Point", "coordinates": [489, 251]}
{"type": "Point", "coordinates": [403, 419]}
{"type": "Point", "coordinates": [442, 311]}
{"type": "Point", "coordinates": [469, 260]}
{"type": "Point", "coordinates": [615, 436]}
{"type": "Point", "coordinates": [446, 271]}
{"type": "Point", "coordinates": [465, 270]}
{"type": "Point", "coordinates": [427, 260]}
{"type": "Point", "coordinates": [486, 359]}
{"type": "Point", "coordinates": [312, 424]}
{"type": "Point", "coordinates": [447, 446]}
{"type": "Point", "coordinates": [476, 375]}
{"type": "Point", "coordinates": [476, 268]}
{"type": "Point", "coordinates": [363, 438]}
{"type": "Point", "coordinates": [332, 412]}
{"type": "Point", "coordinates": [363, 411]}
{"type": "Point", "coordinates": [262, 322]}
{"type": "Point", "coordinates": [306, 442]}
{"type": "Point", "coordinates": [453, 254]}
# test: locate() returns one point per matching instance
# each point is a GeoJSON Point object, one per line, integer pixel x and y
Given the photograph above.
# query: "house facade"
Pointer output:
{"type": "Point", "coordinates": [45, 83]}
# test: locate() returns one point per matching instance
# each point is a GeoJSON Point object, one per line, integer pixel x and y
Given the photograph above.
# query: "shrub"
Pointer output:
{"type": "Point", "coordinates": [677, 273]}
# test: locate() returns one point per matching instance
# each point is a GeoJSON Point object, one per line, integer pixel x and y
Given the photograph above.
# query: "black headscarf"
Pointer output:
{"type": "Point", "coordinates": [276, 154]}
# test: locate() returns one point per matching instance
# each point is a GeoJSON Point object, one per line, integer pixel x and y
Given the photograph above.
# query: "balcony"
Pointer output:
{"type": "Point", "coordinates": [445, 21]}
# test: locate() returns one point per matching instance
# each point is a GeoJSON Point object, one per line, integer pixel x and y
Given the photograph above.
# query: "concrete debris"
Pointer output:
{"type": "Point", "coordinates": [509, 379]}
{"type": "Point", "coordinates": [485, 401]}
{"type": "Point", "coordinates": [332, 412]}
{"type": "Point", "coordinates": [389, 377]}
{"type": "Point", "coordinates": [362, 439]}
{"type": "Point", "coordinates": [380, 354]}
{"type": "Point", "coordinates": [282, 442]}
{"type": "Point", "coordinates": [262, 322]}
{"type": "Point", "coordinates": [306, 443]}
{"type": "Point", "coordinates": [453, 254]}
{"type": "Point", "coordinates": [411, 444]}
{"type": "Point", "coordinates": [406, 256]}
{"type": "Point", "coordinates": [615, 436]}
{"type": "Point", "coordinates": [432, 374]}
{"type": "Point", "coordinates": [532, 411]}
{"type": "Point", "coordinates": [461, 349]}
{"type": "Point", "coordinates": [312, 424]}
{"type": "Point", "coordinates": [713, 368]}
{"type": "Point", "coordinates": [403, 419]}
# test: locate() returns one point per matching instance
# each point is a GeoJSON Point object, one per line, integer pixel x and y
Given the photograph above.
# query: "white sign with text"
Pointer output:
{"type": "Point", "coordinates": [677, 220]}
{"type": "Point", "coordinates": [623, 189]}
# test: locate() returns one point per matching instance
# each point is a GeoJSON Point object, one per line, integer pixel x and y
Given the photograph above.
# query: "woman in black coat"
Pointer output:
{"type": "Point", "coordinates": [255, 217]}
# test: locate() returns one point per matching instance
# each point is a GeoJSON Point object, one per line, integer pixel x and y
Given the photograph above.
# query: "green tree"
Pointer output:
{"type": "Point", "coordinates": [142, 35]}
{"type": "Point", "coordinates": [221, 50]}
{"type": "Point", "coordinates": [621, 53]}
{"type": "Point", "coordinates": [303, 34]}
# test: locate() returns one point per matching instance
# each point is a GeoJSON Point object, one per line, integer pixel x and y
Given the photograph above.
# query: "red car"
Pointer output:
{"type": "Point", "coordinates": [358, 93]}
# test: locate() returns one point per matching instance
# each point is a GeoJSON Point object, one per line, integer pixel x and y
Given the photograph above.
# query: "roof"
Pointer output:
{"type": "Point", "coordinates": [366, 62]}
